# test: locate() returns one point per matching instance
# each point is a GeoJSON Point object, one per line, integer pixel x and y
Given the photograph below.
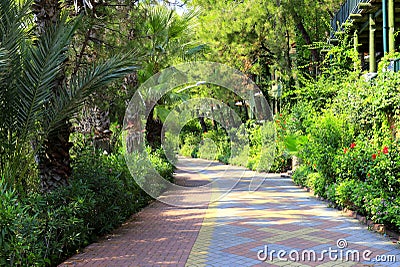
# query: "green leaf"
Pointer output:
{"type": "Point", "coordinates": [161, 113]}
{"type": "Point", "coordinates": [294, 142]}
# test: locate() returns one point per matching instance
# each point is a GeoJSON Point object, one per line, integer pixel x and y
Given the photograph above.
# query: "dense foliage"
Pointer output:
{"type": "Point", "coordinates": [45, 83]}
{"type": "Point", "coordinates": [351, 156]}
{"type": "Point", "coordinates": [40, 230]}
{"type": "Point", "coordinates": [215, 144]}
{"type": "Point", "coordinates": [67, 72]}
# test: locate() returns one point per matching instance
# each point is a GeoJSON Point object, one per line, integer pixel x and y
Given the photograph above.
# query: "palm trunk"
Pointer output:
{"type": "Point", "coordinates": [54, 160]}
{"type": "Point", "coordinates": [102, 133]}
{"type": "Point", "coordinates": [54, 157]}
{"type": "Point", "coordinates": [47, 13]}
{"type": "Point", "coordinates": [153, 131]}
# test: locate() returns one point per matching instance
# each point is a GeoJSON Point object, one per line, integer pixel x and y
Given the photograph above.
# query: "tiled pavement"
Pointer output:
{"type": "Point", "coordinates": [238, 229]}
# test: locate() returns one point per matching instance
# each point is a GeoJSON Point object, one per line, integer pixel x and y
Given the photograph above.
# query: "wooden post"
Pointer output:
{"type": "Point", "coordinates": [355, 44]}
{"type": "Point", "coordinates": [391, 25]}
{"type": "Point", "coordinates": [372, 61]}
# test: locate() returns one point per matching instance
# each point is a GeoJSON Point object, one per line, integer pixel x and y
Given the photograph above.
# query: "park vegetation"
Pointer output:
{"type": "Point", "coordinates": [69, 68]}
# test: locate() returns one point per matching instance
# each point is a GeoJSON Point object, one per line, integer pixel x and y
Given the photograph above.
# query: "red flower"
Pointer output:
{"type": "Point", "coordinates": [352, 145]}
{"type": "Point", "coordinates": [373, 156]}
{"type": "Point", "coordinates": [280, 115]}
{"type": "Point", "coordinates": [345, 150]}
{"type": "Point", "coordinates": [385, 150]}
{"type": "Point", "coordinates": [369, 173]}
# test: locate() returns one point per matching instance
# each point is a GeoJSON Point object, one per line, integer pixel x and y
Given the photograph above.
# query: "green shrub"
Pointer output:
{"type": "Point", "coordinates": [254, 146]}
{"type": "Point", "coordinates": [353, 142]}
{"type": "Point", "coordinates": [392, 215]}
{"type": "Point", "coordinates": [300, 175]}
{"type": "Point", "coordinates": [331, 192]}
{"type": "Point", "coordinates": [161, 164]}
{"type": "Point", "coordinates": [41, 230]}
{"type": "Point", "coordinates": [224, 152]}
{"type": "Point", "coordinates": [328, 134]}
{"type": "Point", "coordinates": [344, 194]}
{"type": "Point", "coordinates": [20, 243]}
{"type": "Point", "coordinates": [190, 145]}
{"type": "Point", "coordinates": [44, 229]}
{"type": "Point", "coordinates": [208, 149]}
{"type": "Point", "coordinates": [264, 147]}
{"type": "Point", "coordinates": [317, 183]}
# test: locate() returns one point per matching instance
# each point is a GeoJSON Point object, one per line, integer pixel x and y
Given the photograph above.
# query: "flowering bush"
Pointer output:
{"type": "Point", "coordinates": [328, 134]}
{"type": "Point", "coordinates": [354, 161]}
{"type": "Point", "coordinates": [356, 154]}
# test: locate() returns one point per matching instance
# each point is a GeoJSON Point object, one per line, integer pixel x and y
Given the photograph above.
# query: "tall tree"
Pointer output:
{"type": "Point", "coordinates": [257, 35]}
{"type": "Point", "coordinates": [33, 113]}
{"type": "Point", "coordinates": [169, 40]}
{"type": "Point", "coordinates": [54, 157]}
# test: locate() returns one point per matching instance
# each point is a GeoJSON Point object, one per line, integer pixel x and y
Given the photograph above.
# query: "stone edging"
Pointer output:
{"type": "Point", "coordinates": [377, 227]}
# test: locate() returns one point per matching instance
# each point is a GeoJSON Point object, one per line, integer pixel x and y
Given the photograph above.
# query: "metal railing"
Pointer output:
{"type": "Point", "coordinates": [347, 8]}
{"type": "Point", "coordinates": [397, 65]}
{"type": "Point", "coordinates": [394, 65]}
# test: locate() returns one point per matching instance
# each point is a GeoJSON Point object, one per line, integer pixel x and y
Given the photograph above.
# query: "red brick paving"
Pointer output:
{"type": "Point", "coordinates": [159, 235]}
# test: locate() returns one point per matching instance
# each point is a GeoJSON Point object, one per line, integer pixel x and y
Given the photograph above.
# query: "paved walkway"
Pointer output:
{"type": "Point", "coordinates": [277, 225]}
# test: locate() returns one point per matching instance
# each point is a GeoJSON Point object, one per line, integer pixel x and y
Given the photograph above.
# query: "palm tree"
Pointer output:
{"type": "Point", "coordinates": [169, 40]}
{"type": "Point", "coordinates": [163, 37]}
{"type": "Point", "coordinates": [35, 105]}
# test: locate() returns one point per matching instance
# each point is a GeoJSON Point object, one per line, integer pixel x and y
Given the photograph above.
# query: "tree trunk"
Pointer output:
{"type": "Point", "coordinates": [47, 13]}
{"type": "Point", "coordinates": [153, 131]}
{"type": "Point", "coordinates": [300, 26]}
{"type": "Point", "coordinates": [213, 122]}
{"type": "Point", "coordinates": [102, 132]}
{"type": "Point", "coordinates": [203, 124]}
{"type": "Point", "coordinates": [96, 121]}
{"type": "Point", "coordinates": [54, 157]}
{"type": "Point", "coordinates": [54, 160]}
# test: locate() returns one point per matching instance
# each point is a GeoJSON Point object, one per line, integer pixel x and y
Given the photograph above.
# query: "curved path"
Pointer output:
{"type": "Point", "coordinates": [289, 224]}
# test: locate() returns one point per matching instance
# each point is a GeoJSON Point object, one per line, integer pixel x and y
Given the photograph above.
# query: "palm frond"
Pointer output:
{"type": "Point", "coordinates": [12, 22]}
{"type": "Point", "coordinates": [158, 19]}
{"type": "Point", "coordinates": [72, 95]}
{"type": "Point", "coordinates": [12, 38]}
{"type": "Point", "coordinates": [4, 66]}
{"type": "Point", "coordinates": [43, 65]}
{"type": "Point", "coordinates": [193, 50]}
